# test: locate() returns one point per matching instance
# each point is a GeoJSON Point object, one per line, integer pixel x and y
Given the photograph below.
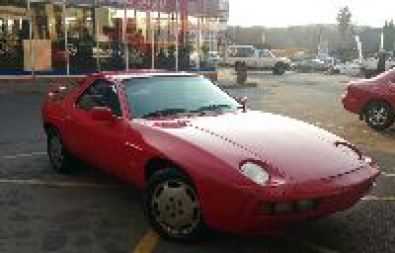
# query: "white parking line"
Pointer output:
{"type": "Point", "coordinates": [309, 245]}
{"type": "Point", "coordinates": [385, 174]}
{"type": "Point", "coordinates": [375, 198]}
{"type": "Point", "coordinates": [60, 184]}
{"type": "Point", "coordinates": [317, 248]}
{"type": "Point", "coordinates": [10, 157]}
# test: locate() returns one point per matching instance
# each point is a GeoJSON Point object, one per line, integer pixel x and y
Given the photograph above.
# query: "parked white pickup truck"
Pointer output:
{"type": "Point", "coordinates": [256, 58]}
{"type": "Point", "coordinates": [369, 66]}
{"type": "Point", "coordinates": [371, 63]}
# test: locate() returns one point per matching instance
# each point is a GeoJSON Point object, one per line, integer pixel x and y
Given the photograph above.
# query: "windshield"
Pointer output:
{"type": "Point", "coordinates": [169, 96]}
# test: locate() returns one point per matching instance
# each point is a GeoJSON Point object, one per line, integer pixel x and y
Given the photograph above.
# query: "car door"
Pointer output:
{"type": "Point", "coordinates": [250, 57]}
{"type": "Point", "coordinates": [260, 59]}
{"type": "Point", "coordinates": [100, 143]}
{"type": "Point", "coordinates": [267, 59]}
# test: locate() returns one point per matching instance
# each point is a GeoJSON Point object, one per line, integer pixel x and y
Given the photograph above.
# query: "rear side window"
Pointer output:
{"type": "Point", "coordinates": [264, 53]}
{"type": "Point", "coordinates": [101, 93]}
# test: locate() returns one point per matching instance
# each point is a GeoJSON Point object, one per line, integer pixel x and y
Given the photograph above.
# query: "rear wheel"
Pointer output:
{"type": "Point", "coordinates": [279, 69]}
{"type": "Point", "coordinates": [238, 65]}
{"type": "Point", "coordinates": [172, 206]}
{"type": "Point", "coordinates": [379, 115]}
{"type": "Point", "coordinates": [60, 159]}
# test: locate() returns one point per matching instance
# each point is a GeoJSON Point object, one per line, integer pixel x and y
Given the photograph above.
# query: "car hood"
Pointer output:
{"type": "Point", "coordinates": [285, 59]}
{"type": "Point", "coordinates": [295, 150]}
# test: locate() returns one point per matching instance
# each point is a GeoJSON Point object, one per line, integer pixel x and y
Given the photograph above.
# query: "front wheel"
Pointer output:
{"type": "Point", "coordinates": [379, 115]}
{"type": "Point", "coordinates": [172, 206]}
{"type": "Point", "coordinates": [60, 159]}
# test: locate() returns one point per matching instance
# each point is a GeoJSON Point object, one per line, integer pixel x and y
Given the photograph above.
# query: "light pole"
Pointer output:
{"type": "Point", "coordinates": [66, 48]}
{"type": "Point", "coordinates": [177, 50]}
{"type": "Point", "coordinates": [98, 66]}
{"type": "Point", "coordinates": [152, 27]}
{"type": "Point", "coordinates": [31, 53]}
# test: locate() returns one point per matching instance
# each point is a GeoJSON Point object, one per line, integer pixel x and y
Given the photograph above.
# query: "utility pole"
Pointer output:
{"type": "Point", "coordinates": [66, 48]}
{"type": "Point", "coordinates": [31, 49]}
{"type": "Point", "coordinates": [96, 22]}
{"type": "Point", "coordinates": [152, 25]}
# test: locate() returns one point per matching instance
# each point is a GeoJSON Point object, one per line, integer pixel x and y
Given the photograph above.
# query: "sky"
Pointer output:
{"type": "Point", "coordinates": [283, 13]}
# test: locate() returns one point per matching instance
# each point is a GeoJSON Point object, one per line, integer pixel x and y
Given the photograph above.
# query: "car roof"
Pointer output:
{"type": "Point", "coordinates": [141, 73]}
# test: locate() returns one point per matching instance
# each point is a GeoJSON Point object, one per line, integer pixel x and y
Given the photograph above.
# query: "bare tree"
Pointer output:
{"type": "Point", "coordinates": [345, 50]}
{"type": "Point", "coordinates": [344, 20]}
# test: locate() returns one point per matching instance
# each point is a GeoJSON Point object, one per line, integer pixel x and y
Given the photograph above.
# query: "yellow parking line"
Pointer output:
{"type": "Point", "coordinates": [147, 244]}
{"type": "Point", "coordinates": [385, 174]}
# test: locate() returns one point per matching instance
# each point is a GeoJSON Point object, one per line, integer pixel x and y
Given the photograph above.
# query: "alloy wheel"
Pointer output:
{"type": "Point", "coordinates": [175, 207]}
{"type": "Point", "coordinates": [378, 115]}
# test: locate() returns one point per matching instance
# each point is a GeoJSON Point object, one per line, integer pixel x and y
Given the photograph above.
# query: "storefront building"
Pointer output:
{"type": "Point", "coordinates": [83, 36]}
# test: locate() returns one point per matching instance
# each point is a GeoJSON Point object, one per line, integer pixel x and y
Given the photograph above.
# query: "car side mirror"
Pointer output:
{"type": "Point", "coordinates": [102, 114]}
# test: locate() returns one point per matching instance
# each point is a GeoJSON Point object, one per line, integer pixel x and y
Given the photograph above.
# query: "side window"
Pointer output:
{"type": "Point", "coordinates": [265, 53]}
{"type": "Point", "coordinates": [101, 93]}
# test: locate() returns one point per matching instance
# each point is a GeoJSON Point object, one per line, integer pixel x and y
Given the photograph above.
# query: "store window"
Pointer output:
{"type": "Point", "coordinates": [46, 49]}
{"type": "Point", "coordinates": [81, 37]}
{"type": "Point", "coordinates": [110, 50]}
{"type": "Point", "coordinates": [14, 30]}
{"type": "Point", "coordinates": [85, 36]}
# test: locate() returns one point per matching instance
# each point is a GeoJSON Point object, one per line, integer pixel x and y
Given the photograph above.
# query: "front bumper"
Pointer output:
{"type": "Point", "coordinates": [242, 213]}
{"type": "Point", "coordinates": [327, 204]}
{"type": "Point", "coordinates": [352, 104]}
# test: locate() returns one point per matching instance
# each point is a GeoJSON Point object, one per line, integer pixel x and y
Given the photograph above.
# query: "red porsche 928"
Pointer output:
{"type": "Point", "coordinates": [202, 159]}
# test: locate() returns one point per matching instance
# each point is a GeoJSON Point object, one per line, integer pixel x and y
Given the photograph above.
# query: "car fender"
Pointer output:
{"type": "Point", "coordinates": [378, 93]}
{"type": "Point", "coordinates": [200, 164]}
{"type": "Point", "coordinates": [214, 178]}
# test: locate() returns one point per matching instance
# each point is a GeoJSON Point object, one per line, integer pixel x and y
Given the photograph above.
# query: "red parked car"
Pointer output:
{"type": "Point", "coordinates": [373, 100]}
{"type": "Point", "coordinates": [203, 159]}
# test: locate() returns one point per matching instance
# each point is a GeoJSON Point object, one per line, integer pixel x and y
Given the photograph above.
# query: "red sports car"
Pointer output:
{"type": "Point", "coordinates": [373, 99]}
{"type": "Point", "coordinates": [202, 158]}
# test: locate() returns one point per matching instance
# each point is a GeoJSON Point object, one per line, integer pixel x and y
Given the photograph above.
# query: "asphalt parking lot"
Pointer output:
{"type": "Point", "coordinates": [89, 212]}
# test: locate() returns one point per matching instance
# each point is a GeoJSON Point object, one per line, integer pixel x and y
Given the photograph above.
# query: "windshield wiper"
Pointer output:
{"type": "Point", "coordinates": [212, 108]}
{"type": "Point", "coordinates": [165, 112]}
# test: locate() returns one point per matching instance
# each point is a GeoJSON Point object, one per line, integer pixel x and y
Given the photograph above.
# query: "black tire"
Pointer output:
{"type": "Point", "coordinates": [238, 65]}
{"type": "Point", "coordinates": [61, 160]}
{"type": "Point", "coordinates": [279, 69]}
{"type": "Point", "coordinates": [379, 115]}
{"type": "Point", "coordinates": [176, 208]}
